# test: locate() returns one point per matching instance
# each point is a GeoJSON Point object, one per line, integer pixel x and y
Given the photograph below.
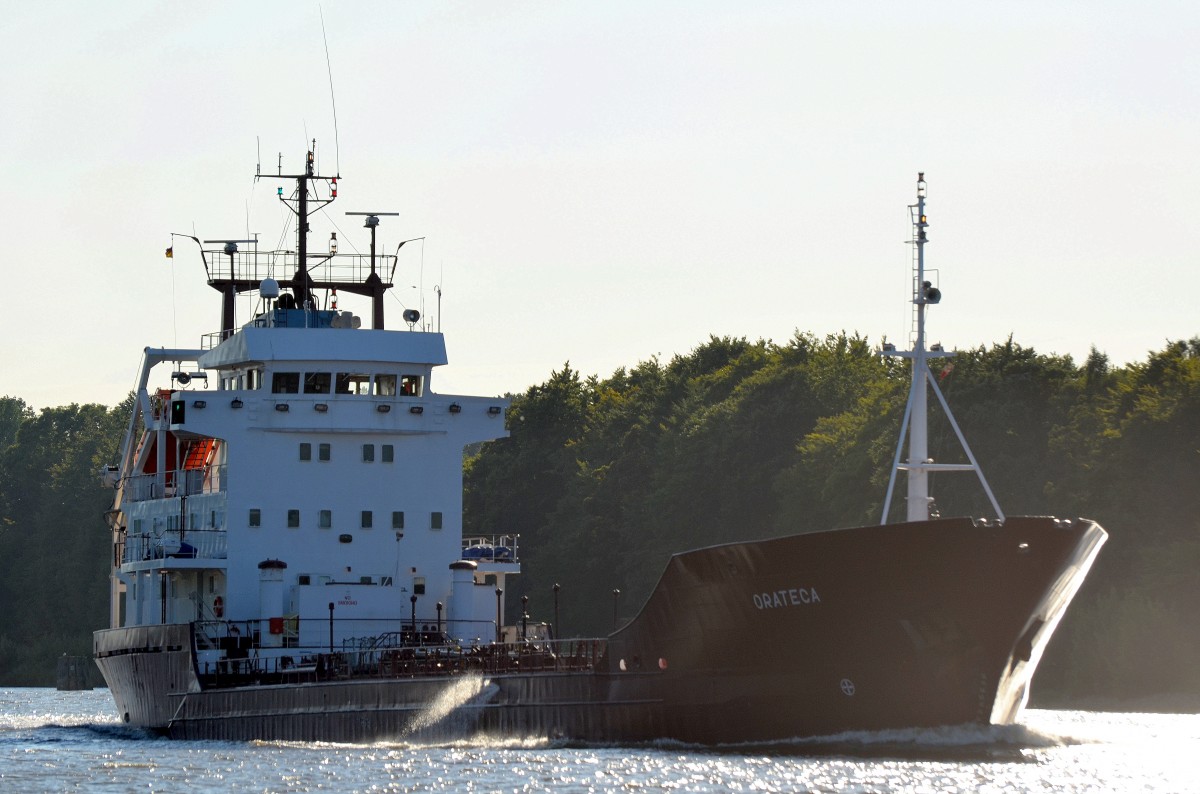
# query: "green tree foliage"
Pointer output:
{"type": "Point", "coordinates": [740, 440]}
{"type": "Point", "coordinates": [54, 547]}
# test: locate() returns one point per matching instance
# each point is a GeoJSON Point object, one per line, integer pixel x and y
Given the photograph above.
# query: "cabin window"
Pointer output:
{"type": "Point", "coordinates": [137, 526]}
{"type": "Point", "coordinates": [316, 383]}
{"type": "Point", "coordinates": [410, 385]}
{"type": "Point", "coordinates": [397, 519]}
{"type": "Point", "coordinates": [418, 585]}
{"type": "Point", "coordinates": [435, 519]}
{"type": "Point", "coordinates": [385, 385]}
{"type": "Point", "coordinates": [253, 379]}
{"type": "Point", "coordinates": [387, 454]}
{"type": "Point", "coordinates": [325, 519]}
{"type": "Point", "coordinates": [368, 453]}
{"type": "Point", "coordinates": [285, 383]}
{"type": "Point", "coordinates": [323, 452]}
{"type": "Point", "coordinates": [193, 521]}
{"type": "Point", "coordinates": [293, 519]}
{"type": "Point", "coordinates": [353, 383]}
{"type": "Point", "coordinates": [303, 579]}
{"type": "Point", "coordinates": [305, 451]}
{"type": "Point", "coordinates": [367, 519]}
{"type": "Point", "coordinates": [255, 517]}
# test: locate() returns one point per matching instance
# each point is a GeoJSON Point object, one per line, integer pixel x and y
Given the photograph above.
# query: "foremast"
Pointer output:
{"type": "Point", "coordinates": [915, 424]}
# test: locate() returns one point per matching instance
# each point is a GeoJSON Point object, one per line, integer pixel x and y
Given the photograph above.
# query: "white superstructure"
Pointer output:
{"type": "Point", "coordinates": [298, 481]}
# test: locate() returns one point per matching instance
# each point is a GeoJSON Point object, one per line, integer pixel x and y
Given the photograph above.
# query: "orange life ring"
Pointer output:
{"type": "Point", "coordinates": [219, 606]}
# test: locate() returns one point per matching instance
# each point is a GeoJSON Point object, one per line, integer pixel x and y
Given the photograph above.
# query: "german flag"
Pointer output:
{"type": "Point", "coordinates": [171, 252]}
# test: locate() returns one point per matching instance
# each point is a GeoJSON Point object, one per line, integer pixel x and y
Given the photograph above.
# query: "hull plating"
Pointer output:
{"type": "Point", "coordinates": [910, 625]}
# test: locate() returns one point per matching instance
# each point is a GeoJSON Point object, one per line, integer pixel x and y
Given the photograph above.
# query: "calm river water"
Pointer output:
{"type": "Point", "coordinates": [72, 741]}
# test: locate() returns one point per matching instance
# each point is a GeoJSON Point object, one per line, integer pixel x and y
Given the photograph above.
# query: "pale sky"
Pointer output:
{"type": "Point", "coordinates": [603, 182]}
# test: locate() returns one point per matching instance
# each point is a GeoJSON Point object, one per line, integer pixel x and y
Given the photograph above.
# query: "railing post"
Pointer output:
{"type": "Point", "coordinates": [557, 631]}
{"type": "Point", "coordinates": [499, 624]}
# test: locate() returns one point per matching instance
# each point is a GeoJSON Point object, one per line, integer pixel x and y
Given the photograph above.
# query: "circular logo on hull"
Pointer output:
{"type": "Point", "coordinates": [847, 687]}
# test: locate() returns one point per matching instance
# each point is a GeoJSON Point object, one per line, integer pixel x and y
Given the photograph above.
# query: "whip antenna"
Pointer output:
{"type": "Point", "coordinates": [337, 161]}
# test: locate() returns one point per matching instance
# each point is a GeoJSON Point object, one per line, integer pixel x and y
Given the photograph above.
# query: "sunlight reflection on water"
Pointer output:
{"type": "Point", "coordinates": [72, 740]}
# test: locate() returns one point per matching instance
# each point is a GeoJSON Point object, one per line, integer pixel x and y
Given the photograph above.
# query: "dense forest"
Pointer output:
{"type": "Point", "coordinates": [605, 478]}
{"type": "Point", "coordinates": [738, 440]}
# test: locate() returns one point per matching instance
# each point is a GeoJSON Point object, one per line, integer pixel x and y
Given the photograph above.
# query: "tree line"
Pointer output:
{"type": "Point", "coordinates": [739, 440]}
{"type": "Point", "coordinates": [605, 478]}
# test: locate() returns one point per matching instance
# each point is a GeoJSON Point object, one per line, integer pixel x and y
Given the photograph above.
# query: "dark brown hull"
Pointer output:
{"type": "Point", "coordinates": [905, 625]}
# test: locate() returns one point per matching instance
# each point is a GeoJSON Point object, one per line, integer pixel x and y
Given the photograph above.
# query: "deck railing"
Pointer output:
{"type": "Point", "coordinates": [208, 544]}
{"type": "Point", "coordinates": [490, 548]}
{"type": "Point", "coordinates": [230, 653]}
{"type": "Point", "coordinates": [178, 482]}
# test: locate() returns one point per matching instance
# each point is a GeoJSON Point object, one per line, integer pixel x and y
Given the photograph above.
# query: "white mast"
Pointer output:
{"type": "Point", "coordinates": [919, 464]}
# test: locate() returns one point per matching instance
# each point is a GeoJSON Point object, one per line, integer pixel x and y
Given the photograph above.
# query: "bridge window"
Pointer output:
{"type": "Point", "coordinates": [410, 385]}
{"type": "Point", "coordinates": [385, 385]}
{"type": "Point", "coordinates": [353, 383]}
{"type": "Point", "coordinates": [367, 519]}
{"type": "Point", "coordinates": [397, 519]}
{"type": "Point", "coordinates": [316, 383]}
{"type": "Point", "coordinates": [325, 519]}
{"type": "Point", "coordinates": [435, 519]}
{"type": "Point", "coordinates": [293, 519]}
{"type": "Point", "coordinates": [285, 382]}
{"type": "Point", "coordinates": [255, 517]}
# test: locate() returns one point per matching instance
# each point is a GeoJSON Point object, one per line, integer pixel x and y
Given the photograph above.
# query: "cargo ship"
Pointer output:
{"type": "Point", "coordinates": [289, 562]}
